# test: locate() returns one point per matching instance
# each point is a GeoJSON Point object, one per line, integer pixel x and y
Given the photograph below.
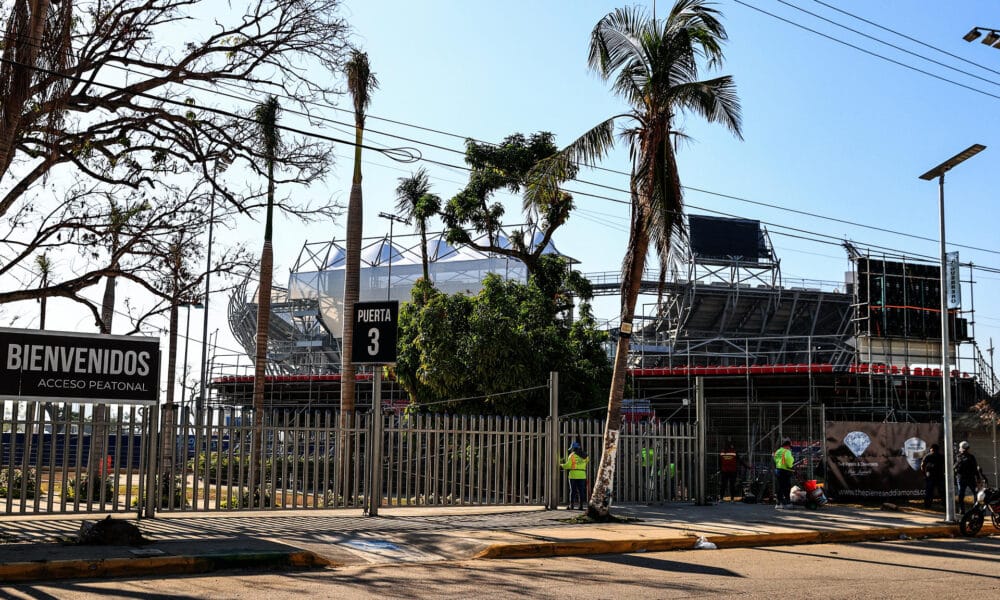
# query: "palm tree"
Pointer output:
{"type": "Point", "coordinates": [653, 65]}
{"type": "Point", "coordinates": [416, 202]}
{"type": "Point", "coordinates": [361, 82]}
{"type": "Point", "coordinates": [44, 265]}
{"type": "Point", "coordinates": [266, 117]}
{"type": "Point", "coordinates": [120, 218]}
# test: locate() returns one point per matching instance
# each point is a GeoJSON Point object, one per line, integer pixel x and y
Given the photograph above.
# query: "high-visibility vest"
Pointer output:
{"type": "Point", "coordinates": [576, 465]}
{"type": "Point", "coordinates": [647, 457]}
{"type": "Point", "coordinates": [783, 459]}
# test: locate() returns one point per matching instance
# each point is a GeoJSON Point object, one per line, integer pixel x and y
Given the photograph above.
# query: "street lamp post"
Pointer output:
{"type": "Point", "coordinates": [187, 337]}
{"type": "Point", "coordinates": [392, 219]}
{"type": "Point", "coordinates": [949, 454]}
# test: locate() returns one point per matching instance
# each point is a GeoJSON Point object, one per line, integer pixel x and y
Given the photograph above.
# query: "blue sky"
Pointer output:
{"type": "Point", "coordinates": [828, 129]}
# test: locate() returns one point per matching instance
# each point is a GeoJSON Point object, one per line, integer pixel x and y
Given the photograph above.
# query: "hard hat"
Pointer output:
{"type": "Point", "coordinates": [963, 446]}
{"type": "Point", "coordinates": [574, 446]}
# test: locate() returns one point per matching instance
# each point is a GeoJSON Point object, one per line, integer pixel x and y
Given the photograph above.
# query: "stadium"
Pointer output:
{"type": "Point", "coordinates": [776, 358]}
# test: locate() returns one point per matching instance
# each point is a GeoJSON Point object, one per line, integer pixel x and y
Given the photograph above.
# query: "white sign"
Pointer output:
{"type": "Point", "coordinates": [954, 289]}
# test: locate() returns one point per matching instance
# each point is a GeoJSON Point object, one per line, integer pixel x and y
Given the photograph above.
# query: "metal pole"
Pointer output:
{"type": "Point", "coordinates": [552, 453]}
{"type": "Point", "coordinates": [184, 371]}
{"type": "Point", "coordinates": [822, 418]}
{"type": "Point", "coordinates": [699, 395]}
{"type": "Point", "coordinates": [388, 283]}
{"type": "Point", "coordinates": [996, 467]}
{"type": "Point", "coordinates": [374, 499]}
{"type": "Point", "coordinates": [208, 289]}
{"type": "Point", "coordinates": [152, 490]}
{"type": "Point", "coordinates": [392, 219]}
{"type": "Point", "coordinates": [949, 443]}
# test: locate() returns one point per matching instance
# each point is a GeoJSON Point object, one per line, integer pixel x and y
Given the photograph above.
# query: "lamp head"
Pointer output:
{"type": "Point", "coordinates": [973, 35]}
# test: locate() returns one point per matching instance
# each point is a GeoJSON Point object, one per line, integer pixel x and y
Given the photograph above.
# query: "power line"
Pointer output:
{"type": "Point", "coordinates": [904, 36]}
{"type": "Point", "coordinates": [869, 52]}
{"type": "Point", "coordinates": [418, 157]}
{"type": "Point", "coordinates": [895, 47]}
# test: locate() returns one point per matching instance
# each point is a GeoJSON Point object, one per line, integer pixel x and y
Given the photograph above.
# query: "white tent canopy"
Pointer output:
{"type": "Point", "coordinates": [389, 271]}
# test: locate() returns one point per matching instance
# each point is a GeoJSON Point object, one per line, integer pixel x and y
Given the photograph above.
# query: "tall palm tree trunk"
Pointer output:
{"type": "Point", "coordinates": [634, 265]}
{"type": "Point", "coordinates": [352, 288]}
{"type": "Point", "coordinates": [266, 115]}
{"type": "Point", "coordinates": [99, 423]}
{"type": "Point", "coordinates": [256, 479]}
{"type": "Point", "coordinates": [22, 59]}
{"type": "Point", "coordinates": [168, 416]}
{"type": "Point", "coordinates": [361, 82]}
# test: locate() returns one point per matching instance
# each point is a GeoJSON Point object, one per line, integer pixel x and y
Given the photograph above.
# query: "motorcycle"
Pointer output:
{"type": "Point", "coordinates": [987, 502]}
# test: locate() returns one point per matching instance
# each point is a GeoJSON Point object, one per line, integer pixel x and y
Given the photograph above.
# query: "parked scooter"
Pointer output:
{"type": "Point", "coordinates": [809, 495]}
{"type": "Point", "coordinates": [987, 502]}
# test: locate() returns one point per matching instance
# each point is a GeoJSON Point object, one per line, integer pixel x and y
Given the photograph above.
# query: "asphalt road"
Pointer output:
{"type": "Point", "coordinates": [949, 568]}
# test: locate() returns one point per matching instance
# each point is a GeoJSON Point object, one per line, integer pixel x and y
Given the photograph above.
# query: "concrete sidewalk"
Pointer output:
{"type": "Point", "coordinates": [203, 542]}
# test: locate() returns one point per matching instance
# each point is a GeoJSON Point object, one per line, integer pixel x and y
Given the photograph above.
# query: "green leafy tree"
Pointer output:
{"type": "Point", "coordinates": [467, 354]}
{"type": "Point", "coordinates": [512, 166]}
{"type": "Point", "coordinates": [653, 65]}
{"type": "Point", "coordinates": [417, 204]}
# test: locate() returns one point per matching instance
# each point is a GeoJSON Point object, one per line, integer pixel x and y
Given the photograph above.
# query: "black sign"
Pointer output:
{"type": "Point", "coordinates": [877, 460]}
{"type": "Point", "coordinates": [375, 326]}
{"type": "Point", "coordinates": [725, 238]}
{"type": "Point", "coordinates": [59, 366]}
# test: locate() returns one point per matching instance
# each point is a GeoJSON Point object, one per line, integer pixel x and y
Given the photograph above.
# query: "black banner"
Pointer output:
{"type": "Point", "coordinates": [59, 366]}
{"type": "Point", "coordinates": [877, 460]}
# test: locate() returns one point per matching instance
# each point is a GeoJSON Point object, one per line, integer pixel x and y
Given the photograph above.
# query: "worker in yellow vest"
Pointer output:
{"type": "Point", "coordinates": [647, 459]}
{"type": "Point", "coordinates": [783, 463]}
{"type": "Point", "coordinates": [576, 466]}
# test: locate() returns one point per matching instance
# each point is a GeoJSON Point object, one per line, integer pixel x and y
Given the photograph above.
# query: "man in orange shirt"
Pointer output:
{"type": "Point", "coordinates": [729, 464]}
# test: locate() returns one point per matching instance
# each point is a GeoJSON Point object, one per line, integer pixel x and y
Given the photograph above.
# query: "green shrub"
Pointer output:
{"type": "Point", "coordinates": [84, 491]}
{"type": "Point", "coordinates": [168, 496]}
{"type": "Point", "coordinates": [13, 487]}
{"type": "Point", "coordinates": [242, 500]}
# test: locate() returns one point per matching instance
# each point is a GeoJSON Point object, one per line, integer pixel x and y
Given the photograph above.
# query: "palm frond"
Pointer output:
{"type": "Point", "coordinates": [547, 175]}
{"type": "Point", "coordinates": [615, 40]}
{"type": "Point", "coordinates": [410, 190]}
{"type": "Point", "coordinates": [266, 120]}
{"type": "Point", "coordinates": [714, 99]}
{"type": "Point", "coordinates": [361, 82]}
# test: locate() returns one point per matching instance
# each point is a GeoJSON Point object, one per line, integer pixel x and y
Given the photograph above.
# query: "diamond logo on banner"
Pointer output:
{"type": "Point", "coordinates": [857, 442]}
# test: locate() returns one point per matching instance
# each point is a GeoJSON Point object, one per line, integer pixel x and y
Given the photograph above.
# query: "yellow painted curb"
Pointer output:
{"type": "Point", "coordinates": [584, 547]}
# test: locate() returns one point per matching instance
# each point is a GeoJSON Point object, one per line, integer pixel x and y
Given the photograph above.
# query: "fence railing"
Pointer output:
{"type": "Point", "coordinates": [71, 458]}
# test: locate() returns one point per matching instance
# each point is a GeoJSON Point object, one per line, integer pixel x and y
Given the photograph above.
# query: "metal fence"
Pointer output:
{"type": "Point", "coordinates": [48, 462]}
{"type": "Point", "coordinates": [666, 473]}
{"type": "Point", "coordinates": [77, 458]}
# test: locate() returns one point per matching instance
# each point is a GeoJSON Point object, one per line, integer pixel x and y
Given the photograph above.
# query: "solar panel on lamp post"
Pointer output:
{"type": "Point", "coordinates": [946, 422]}
{"type": "Point", "coordinates": [992, 37]}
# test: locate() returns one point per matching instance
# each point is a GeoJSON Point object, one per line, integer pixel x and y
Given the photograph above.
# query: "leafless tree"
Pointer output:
{"type": "Point", "coordinates": [92, 94]}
